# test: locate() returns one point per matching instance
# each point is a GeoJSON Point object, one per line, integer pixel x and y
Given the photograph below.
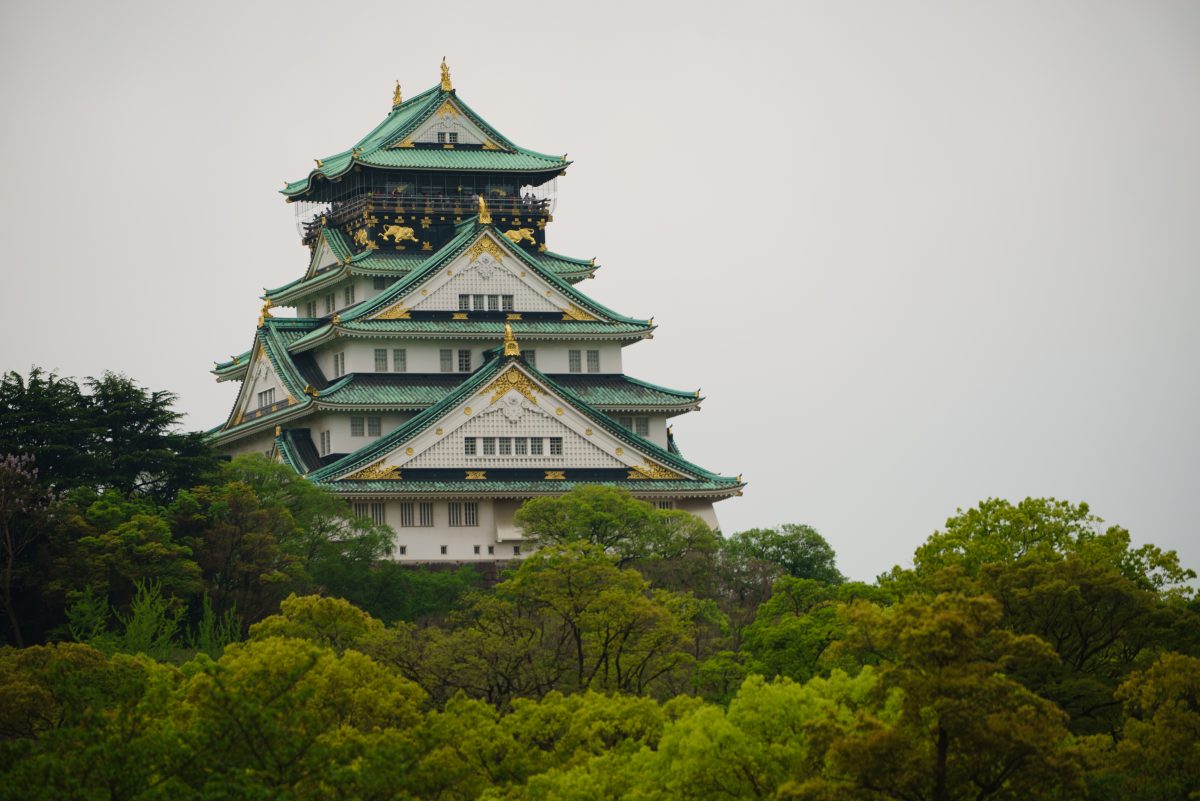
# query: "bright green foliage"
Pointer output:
{"type": "Point", "coordinates": [330, 622]}
{"type": "Point", "coordinates": [616, 521]}
{"type": "Point", "coordinates": [797, 549]}
{"type": "Point", "coordinates": [1158, 759]}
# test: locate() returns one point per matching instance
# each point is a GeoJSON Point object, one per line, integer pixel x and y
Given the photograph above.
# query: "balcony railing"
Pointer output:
{"type": "Point", "coordinates": [341, 212]}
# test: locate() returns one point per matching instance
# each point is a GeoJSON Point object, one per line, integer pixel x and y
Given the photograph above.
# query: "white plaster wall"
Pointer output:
{"type": "Point", "coordinates": [338, 424]}
{"type": "Point", "coordinates": [701, 508]}
{"type": "Point", "coordinates": [261, 444]}
{"type": "Point", "coordinates": [424, 543]}
{"type": "Point", "coordinates": [553, 357]}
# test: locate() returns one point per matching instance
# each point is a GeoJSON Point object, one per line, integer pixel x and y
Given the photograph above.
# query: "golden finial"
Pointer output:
{"type": "Point", "coordinates": [278, 430]}
{"type": "Point", "coordinates": [266, 313]}
{"type": "Point", "coordinates": [511, 348]}
{"type": "Point", "coordinates": [397, 98]}
{"type": "Point", "coordinates": [446, 85]}
{"type": "Point", "coordinates": [320, 163]}
{"type": "Point", "coordinates": [485, 216]}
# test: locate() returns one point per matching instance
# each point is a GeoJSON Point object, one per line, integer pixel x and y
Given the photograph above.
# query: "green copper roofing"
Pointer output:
{"type": "Point", "coordinates": [674, 488]}
{"type": "Point", "coordinates": [233, 368]}
{"type": "Point", "coordinates": [379, 448]}
{"type": "Point", "coordinates": [470, 232]}
{"type": "Point", "coordinates": [375, 149]}
{"type": "Point", "coordinates": [474, 329]}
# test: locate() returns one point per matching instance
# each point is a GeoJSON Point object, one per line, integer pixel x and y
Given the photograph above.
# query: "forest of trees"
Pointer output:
{"type": "Point", "coordinates": [181, 627]}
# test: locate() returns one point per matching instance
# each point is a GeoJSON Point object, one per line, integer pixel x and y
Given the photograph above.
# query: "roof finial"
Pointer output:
{"type": "Point", "coordinates": [511, 348]}
{"type": "Point", "coordinates": [485, 215]}
{"type": "Point", "coordinates": [446, 85]}
{"type": "Point", "coordinates": [397, 98]}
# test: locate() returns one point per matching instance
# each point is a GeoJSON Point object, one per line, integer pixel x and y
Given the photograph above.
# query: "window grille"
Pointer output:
{"type": "Point", "coordinates": [447, 357]}
{"type": "Point", "coordinates": [471, 514]}
{"type": "Point", "coordinates": [339, 364]}
{"type": "Point", "coordinates": [625, 422]}
{"type": "Point", "coordinates": [641, 426]}
{"type": "Point", "coordinates": [506, 446]}
{"type": "Point", "coordinates": [426, 510]}
{"type": "Point", "coordinates": [381, 360]}
{"type": "Point", "coordinates": [310, 308]}
{"type": "Point", "coordinates": [489, 446]}
{"type": "Point", "coordinates": [324, 443]}
{"type": "Point", "coordinates": [464, 302]}
{"type": "Point", "coordinates": [477, 302]}
{"type": "Point", "coordinates": [443, 550]}
{"type": "Point", "coordinates": [535, 446]}
{"type": "Point", "coordinates": [469, 446]}
{"type": "Point", "coordinates": [349, 294]}
{"type": "Point", "coordinates": [464, 361]}
{"type": "Point", "coordinates": [506, 302]}
{"type": "Point", "coordinates": [573, 363]}
{"type": "Point", "coordinates": [356, 426]}
{"type": "Point", "coordinates": [403, 550]}
{"type": "Point", "coordinates": [493, 302]}
{"type": "Point", "coordinates": [664, 504]}
{"type": "Point", "coordinates": [406, 515]}
{"type": "Point", "coordinates": [556, 446]}
{"type": "Point", "coordinates": [380, 282]}
{"type": "Point", "coordinates": [266, 398]}
{"type": "Point", "coordinates": [491, 550]}
{"type": "Point", "coordinates": [516, 550]}
{"type": "Point", "coordinates": [374, 426]}
{"type": "Point", "coordinates": [476, 550]}
{"type": "Point", "coordinates": [454, 514]}
{"type": "Point", "coordinates": [399, 360]}
{"type": "Point", "coordinates": [519, 446]}
{"type": "Point", "coordinates": [329, 303]}
{"type": "Point", "coordinates": [593, 357]}
{"type": "Point", "coordinates": [530, 357]}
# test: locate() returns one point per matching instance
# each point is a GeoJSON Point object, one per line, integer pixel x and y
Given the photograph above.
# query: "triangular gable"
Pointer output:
{"type": "Point", "coordinates": [491, 265]}
{"type": "Point", "coordinates": [323, 257]}
{"type": "Point", "coordinates": [261, 376]}
{"type": "Point", "coordinates": [447, 119]}
{"type": "Point", "coordinates": [513, 401]}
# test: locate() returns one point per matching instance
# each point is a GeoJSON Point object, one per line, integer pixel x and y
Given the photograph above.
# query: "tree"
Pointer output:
{"type": "Point", "coordinates": [798, 549]}
{"type": "Point", "coordinates": [24, 518]}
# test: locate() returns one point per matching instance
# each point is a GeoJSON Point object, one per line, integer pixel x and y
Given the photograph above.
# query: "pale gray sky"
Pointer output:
{"type": "Point", "coordinates": [915, 253]}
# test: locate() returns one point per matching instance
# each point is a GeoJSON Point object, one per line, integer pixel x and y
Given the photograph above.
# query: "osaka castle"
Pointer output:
{"type": "Point", "coordinates": [441, 365]}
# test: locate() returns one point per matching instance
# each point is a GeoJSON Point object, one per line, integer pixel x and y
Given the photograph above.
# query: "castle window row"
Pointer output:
{"type": "Point", "coordinates": [493, 303]}
{"type": "Point", "coordinates": [444, 550]}
{"type": "Point", "coordinates": [575, 361]}
{"type": "Point", "coordinates": [513, 446]}
{"type": "Point", "coordinates": [374, 426]}
{"type": "Point", "coordinates": [638, 425]}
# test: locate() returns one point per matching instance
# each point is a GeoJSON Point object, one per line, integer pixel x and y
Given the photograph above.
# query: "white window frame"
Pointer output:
{"type": "Point", "coordinates": [574, 361]}
{"type": "Point", "coordinates": [446, 356]}
{"type": "Point", "coordinates": [381, 360]}
{"type": "Point", "coordinates": [356, 427]}
{"type": "Point", "coordinates": [399, 360]}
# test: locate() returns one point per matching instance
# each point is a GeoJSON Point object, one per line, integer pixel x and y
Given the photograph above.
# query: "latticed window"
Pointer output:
{"type": "Point", "coordinates": [535, 446]}
{"type": "Point", "coordinates": [310, 308]}
{"type": "Point", "coordinates": [471, 514]}
{"type": "Point", "coordinates": [464, 361]}
{"type": "Point", "coordinates": [348, 292]}
{"type": "Point", "coordinates": [530, 357]}
{"type": "Point", "coordinates": [463, 513]}
{"type": "Point", "coordinates": [493, 302]}
{"type": "Point", "coordinates": [403, 550]}
{"type": "Point", "coordinates": [477, 302]}
{"type": "Point", "coordinates": [447, 359]}
{"type": "Point", "coordinates": [406, 515]}
{"type": "Point", "coordinates": [444, 548]}
{"type": "Point", "coordinates": [399, 360]}
{"type": "Point", "coordinates": [556, 446]}
{"type": "Point", "coordinates": [426, 515]}
{"type": "Point", "coordinates": [374, 426]}
{"type": "Point", "coordinates": [454, 513]}
{"type": "Point", "coordinates": [375, 511]}
{"type": "Point", "coordinates": [520, 446]}
{"type": "Point", "coordinates": [469, 446]}
{"type": "Point", "coordinates": [641, 426]}
{"type": "Point", "coordinates": [381, 360]}
{"type": "Point", "coordinates": [324, 443]}
{"type": "Point", "coordinates": [491, 550]}
{"type": "Point", "coordinates": [516, 550]}
{"type": "Point", "coordinates": [380, 282]}
{"type": "Point", "coordinates": [339, 364]}
{"type": "Point", "coordinates": [489, 446]}
{"type": "Point", "coordinates": [664, 504]}
{"type": "Point", "coordinates": [506, 302]}
{"type": "Point", "coordinates": [506, 446]}
{"type": "Point", "coordinates": [573, 361]}
{"type": "Point", "coordinates": [266, 398]}
{"type": "Point", "coordinates": [330, 302]}
{"type": "Point", "coordinates": [464, 302]}
{"type": "Point", "coordinates": [356, 426]}
{"type": "Point", "coordinates": [593, 357]}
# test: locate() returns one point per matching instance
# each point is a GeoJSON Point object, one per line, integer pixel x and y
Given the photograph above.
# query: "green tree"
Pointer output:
{"type": "Point", "coordinates": [25, 510]}
{"type": "Point", "coordinates": [798, 549]}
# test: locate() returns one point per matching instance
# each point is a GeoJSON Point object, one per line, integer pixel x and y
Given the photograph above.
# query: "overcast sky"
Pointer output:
{"type": "Point", "coordinates": [915, 253]}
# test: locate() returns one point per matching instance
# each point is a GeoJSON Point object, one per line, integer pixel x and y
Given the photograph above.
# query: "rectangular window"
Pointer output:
{"type": "Point", "coordinates": [452, 136]}
{"type": "Point", "coordinates": [403, 550]}
{"type": "Point", "coordinates": [374, 426]}
{"type": "Point", "coordinates": [491, 550]}
{"type": "Point", "coordinates": [593, 361]}
{"type": "Point", "coordinates": [573, 363]}
{"type": "Point", "coordinates": [469, 446]}
{"type": "Point", "coordinates": [530, 357]}
{"type": "Point", "coordinates": [516, 550]}
{"type": "Point", "coordinates": [535, 446]}
{"type": "Point", "coordinates": [348, 293]}
{"type": "Point", "coordinates": [441, 140]}
{"type": "Point", "coordinates": [493, 302]}
{"type": "Point", "coordinates": [381, 360]}
{"type": "Point", "coordinates": [266, 398]}
{"type": "Point", "coordinates": [406, 515]}
{"type": "Point", "coordinates": [443, 547]}
{"type": "Point", "coordinates": [625, 422]}
{"type": "Point", "coordinates": [464, 361]}
{"type": "Point", "coordinates": [454, 513]}
{"type": "Point", "coordinates": [380, 282]}
{"type": "Point", "coordinates": [339, 364]}
{"type": "Point", "coordinates": [506, 446]}
{"type": "Point", "coordinates": [464, 302]}
{"type": "Point", "coordinates": [519, 446]}
{"type": "Point", "coordinates": [506, 302]}
{"type": "Point", "coordinates": [477, 302]}
{"type": "Point", "coordinates": [556, 446]}
{"type": "Point", "coordinates": [310, 308]}
{"type": "Point", "coordinates": [324, 443]}
{"type": "Point", "coordinates": [476, 550]}
{"type": "Point", "coordinates": [447, 357]}
{"type": "Point", "coordinates": [375, 511]}
{"type": "Point", "coordinates": [489, 446]}
{"type": "Point", "coordinates": [329, 303]}
{"type": "Point", "coordinates": [356, 426]}
{"type": "Point", "coordinates": [641, 426]}
{"type": "Point", "coordinates": [664, 504]}
{"type": "Point", "coordinates": [471, 514]}
{"type": "Point", "coordinates": [399, 360]}
{"type": "Point", "coordinates": [426, 515]}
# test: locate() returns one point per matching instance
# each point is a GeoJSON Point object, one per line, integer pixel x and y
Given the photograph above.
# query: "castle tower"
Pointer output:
{"type": "Point", "coordinates": [442, 366]}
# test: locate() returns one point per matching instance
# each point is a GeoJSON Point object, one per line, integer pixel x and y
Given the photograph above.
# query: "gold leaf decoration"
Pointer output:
{"type": "Point", "coordinates": [375, 472]}
{"type": "Point", "coordinates": [397, 312]}
{"type": "Point", "coordinates": [555, 475]}
{"type": "Point", "coordinates": [651, 471]}
{"type": "Point", "coordinates": [485, 245]}
{"type": "Point", "coordinates": [476, 475]}
{"type": "Point", "coordinates": [513, 379]}
{"type": "Point", "coordinates": [573, 312]}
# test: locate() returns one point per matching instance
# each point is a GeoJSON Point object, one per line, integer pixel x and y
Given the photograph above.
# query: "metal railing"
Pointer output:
{"type": "Point", "coordinates": [368, 204]}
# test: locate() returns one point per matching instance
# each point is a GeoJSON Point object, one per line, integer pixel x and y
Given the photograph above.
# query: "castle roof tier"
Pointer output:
{"type": "Point", "coordinates": [442, 363]}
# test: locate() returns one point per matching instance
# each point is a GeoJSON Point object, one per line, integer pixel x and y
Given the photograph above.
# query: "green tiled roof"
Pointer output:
{"type": "Point", "coordinates": [417, 391]}
{"type": "Point", "coordinates": [375, 450]}
{"type": "Point", "coordinates": [375, 149]}
{"type": "Point", "coordinates": [470, 231]}
{"type": "Point", "coordinates": [673, 487]}
{"type": "Point", "coordinates": [233, 368]}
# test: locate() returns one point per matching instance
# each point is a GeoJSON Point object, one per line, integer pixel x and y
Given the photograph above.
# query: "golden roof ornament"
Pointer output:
{"type": "Point", "coordinates": [485, 215]}
{"type": "Point", "coordinates": [511, 348]}
{"type": "Point", "coordinates": [397, 98]}
{"type": "Point", "coordinates": [446, 85]}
